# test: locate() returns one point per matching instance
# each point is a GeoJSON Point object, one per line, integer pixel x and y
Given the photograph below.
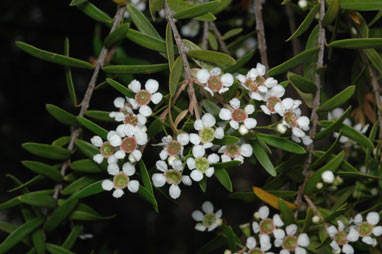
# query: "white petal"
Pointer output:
{"type": "Point", "coordinates": [278, 91]}
{"type": "Point", "coordinates": [334, 245]}
{"type": "Point", "coordinates": [183, 138]}
{"type": "Point", "coordinates": [198, 151]}
{"type": "Point", "coordinates": [263, 89]}
{"type": "Point", "coordinates": [255, 227]}
{"type": "Point", "coordinates": [279, 233]}
{"type": "Point", "coordinates": [368, 240]}
{"type": "Point", "coordinates": [260, 69]}
{"type": "Point", "coordinates": [141, 138]}
{"type": "Point", "coordinates": [152, 85]}
{"type": "Point", "coordinates": [133, 103]}
{"type": "Point", "coordinates": [208, 120]}
{"type": "Point", "coordinates": [353, 235]}
{"type": "Point", "coordinates": [256, 96]}
{"type": "Point", "coordinates": [224, 114]}
{"type": "Point", "coordinates": [177, 164]}
{"type": "Point", "coordinates": [241, 78]}
{"type": "Point", "coordinates": [298, 132]}
{"type": "Point", "coordinates": [291, 229]}
{"type": "Point", "coordinates": [118, 193]}
{"type": "Point", "coordinates": [307, 140]}
{"type": "Point", "coordinates": [119, 102]}
{"type": "Point", "coordinates": [115, 140]}
{"type": "Point", "coordinates": [113, 169]}
{"type": "Point", "coordinates": [246, 150]}
{"type": "Point", "coordinates": [270, 82]}
{"type": "Point", "coordinates": [174, 191]}
{"type": "Point", "coordinates": [234, 124]}
{"type": "Point", "coordinates": [158, 179]}
{"type": "Point", "coordinates": [287, 103]}
{"type": "Point", "coordinates": [195, 139]}
{"type": "Point", "coordinates": [98, 158]}
{"type": "Point", "coordinates": [341, 225]}
{"type": "Point", "coordinates": [135, 86]}
{"type": "Point", "coordinates": [107, 185]}
{"type": "Point", "coordinates": [303, 122]}
{"type": "Point", "coordinates": [219, 214]}
{"type": "Point", "coordinates": [303, 240]}
{"type": "Point", "coordinates": [243, 130]}
{"type": "Point", "coordinates": [198, 125]}
{"type": "Point", "coordinates": [145, 110]}
{"type": "Point", "coordinates": [112, 159]}
{"type": "Point", "coordinates": [186, 180]}
{"type": "Point", "coordinates": [141, 119]}
{"type": "Point", "coordinates": [249, 109]}
{"type": "Point", "coordinates": [120, 154]}
{"type": "Point", "coordinates": [215, 71]}
{"type": "Point", "coordinates": [284, 251]}
{"type": "Point", "coordinates": [128, 168]}
{"type": "Point", "coordinates": [347, 249]}
{"type": "Point", "coordinates": [219, 133]}
{"type": "Point", "coordinates": [213, 158]}
{"type": "Point", "coordinates": [332, 230]}
{"type": "Point", "coordinates": [299, 250]}
{"type": "Point", "coordinates": [200, 227]}
{"type": "Point", "coordinates": [264, 212]}
{"type": "Point", "coordinates": [133, 186]}
{"type": "Point", "coordinates": [212, 227]}
{"type": "Point", "coordinates": [210, 171]}
{"type": "Point", "coordinates": [196, 175]}
{"type": "Point", "coordinates": [227, 79]}
{"type": "Point", "coordinates": [202, 76]}
{"type": "Point", "coordinates": [235, 103]}
{"type": "Point", "coordinates": [265, 109]}
{"type": "Point", "coordinates": [208, 207]}
{"type": "Point", "coordinates": [277, 220]}
{"type": "Point", "coordinates": [372, 218]}
{"type": "Point", "coordinates": [161, 165]}
{"type": "Point", "coordinates": [156, 98]}
{"type": "Point", "coordinates": [377, 231]}
{"type": "Point", "coordinates": [250, 123]}
{"type": "Point", "coordinates": [137, 155]}
{"type": "Point", "coordinates": [191, 163]}
{"type": "Point", "coordinates": [225, 158]}
{"type": "Point", "coordinates": [96, 141]}
{"type": "Point", "coordinates": [358, 219]}
{"type": "Point", "coordinates": [163, 154]}
{"type": "Point", "coordinates": [251, 242]}
{"type": "Point", "coordinates": [197, 215]}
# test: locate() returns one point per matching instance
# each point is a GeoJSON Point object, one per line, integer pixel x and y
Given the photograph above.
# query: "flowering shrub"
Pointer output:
{"type": "Point", "coordinates": [210, 114]}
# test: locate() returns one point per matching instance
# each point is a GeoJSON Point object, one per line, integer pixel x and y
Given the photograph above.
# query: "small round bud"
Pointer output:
{"type": "Point", "coordinates": [246, 229]}
{"type": "Point", "coordinates": [327, 176]}
{"type": "Point", "coordinates": [374, 191]}
{"type": "Point", "coordinates": [219, 221]}
{"type": "Point", "coordinates": [353, 31]}
{"type": "Point", "coordinates": [132, 159]}
{"type": "Point", "coordinates": [243, 130]}
{"type": "Point", "coordinates": [171, 159]}
{"type": "Point", "coordinates": [303, 4]}
{"type": "Point", "coordinates": [256, 215]}
{"type": "Point", "coordinates": [281, 128]}
{"type": "Point", "coordinates": [319, 185]}
{"type": "Point", "coordinates": [227, 252]}
{"type": "Point", "coordinates": [338, 181]}
{"type": "Point", "coordinates": [315, 219]}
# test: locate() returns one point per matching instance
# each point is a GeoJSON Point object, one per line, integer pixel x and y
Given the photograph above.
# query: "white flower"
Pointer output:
{"type": "Point", "coordinates": [341, 238]}
{"type": "Point", "coordinates": [126, 114]}
{"type": "Point", "coordinates": [172, 176]}
{"type": "Point", "coordinates": [121, 180]}
{"type": "Point", "coordinates": [173, 147]}
{"type": "Point", "coordinates": [238, 116]}
{"type": "Point", "coordinates": [267, 225]}
{"type": "Point", "coordinates": [107, 148]}
{"type": "Point", "coordinates": [207, 131]}
{"type": "Point", "coordinates": [265, 244]}
{"type": "Point", "coordinates": [191, 29]}
{"type": "Point", "coordinates": [235, 152]}
{"type": "Point", "coordinates": [133, 137]}
{"type": "Point", "coordinates": [200, 164]}
{"type": "Point", "coordinates": [214, 80]}
{"type": "Point", "coordinates": [271, 98]}
{"type": "Point", "coordinates": [292, 242]}
{"type": "Point", "coordinates": [145, 96]}
{"type": "Point", "coordinates": [327, 176]}
{"type": "Point", "coordinates": [207, 220]}
{"type": "Point", "coordinates": [367, 229]}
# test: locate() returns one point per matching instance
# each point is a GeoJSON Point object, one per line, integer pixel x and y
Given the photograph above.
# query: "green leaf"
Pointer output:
{"type": "Point", "coordinates": [332, 12]}
{"type": "Point", "coordinates": [227, 164]}
{"type": "Point", "coordinates": [305, 24]}
{"type": "Point", "coordinates": [89, 151]}
{"type": "Point", "coordinates": [223, 4]}
{"type": "Point", "coordinates": [77, 185]}
{"type": "Point", "coordinates": [38, 198]}
{"type": "Point", "coordinates": [358, 43]}
{"type": "Point", "coordinates": [76, 2]}
{"type": "Point", "coordinates": [86, 213]}
{"type": "Point", "coordinates": [342, 196]}
{"type": "Point", "coordinates": [90, 190]}
{"type": "Point", "coordinates": [55, 249]}
{"type": "Point", "coordinates": [116, 36]}
{"type": "Point", "coordinates": [135, 69]}
{"type": "Point", "coordinates": [62, 141]}
{"type": "Point", "coordinates": [240, 63]}
{"type": "Point", "coordinates": [35, 179]}
{"type": "Point", "coordinates": [47, 151]}
{"type": "Point", "coordinates": [118, 86]}
{"type": "Point", "coordinates": [294, 61]}
{"type": "Point", "coordinates": [212, 56]}
{"type": "Point", "coordinates": [175, 75]}
{"type": "Point", "coordinates": [232, 33]}
{"type": "Point", "coordinates": [148, 196]}
{"type": "Point", "coordinates": [38, 239]}
{"type": "Point", "coordinates": [282, 143]}
{"type": "Point", "coordinates": [92, 11]}
{"type": "Point", "coordinates": [170, 45]}
{"type": "Point", "coordinates": [223, 177]}
{"type": "Point", "coordinates": [197, 10]}
{"type": "Point", "coordinates": [155, 128]}
{"type": "Point", "coordinates": [337, 100]}
{"type": "Point", "coordinates": [327, 155]}
{"type": "Point", "coordinates": [352, 134]}
{"type": "Point", "coordinates": [53, 57]}
{"type": "Point", "coordinates": [6, 227]}
{"type": "Point", "coordinates": [142, 23]}
{"type": "Point", "coordinates": [334, 125]}
{"type": "Point", "coordinates": [10, 203]}
{"type": "Point", "coordinates": [68, 76]}
{"type": "Point", "coordinates": [232, 240]}
{"type": "Point", "coordinates": [303, 84]}
{"type": "Point", "coordinates": [95, 128]}
{"type": "Point", "coordinates": [155, 5]}
{"type": "Point", "coordinates": [211, 107]}
{"type": "Point", "coordinates": [146, 41]}
{"type": "Point", "coordinates": [310, 66]}
{"type": "Point", "coordinates": [227, 140]}
{"type": "Point", "coordinates": [246, 196]}
{"type": "Point", "coordinates": [263, 158]}
{"type": "Point", "coordinates": [145, 177]}
{"type": "Point", "coordinates": [86, 166]}
{"type": "Point", "coordinates": [286, 213]}
{"type": "Point", "coordinates": [44, 170]}
{"type": "Point", "coordinates": [374, 58]}
{"type": "Point", "coordinates": [332, 165]}
{"type": "Point", "coordinates": [72, 237]}
{"type": "Point", "coordinates": [20, 234]}
{"type": "Point", "coordinates": [203, 184]}
{"type": "Point", "coordinates": [99, 115]}
{"type": "Point", "coordinates": [362, 5]}
{"type": "Point", "coordinates": [61, 115]}
{"type": "Point", "coordinates": [180, 5]}
{"type": "Point", "coordinates": [212, 41]}
{"type": "Point", "coordinates": [60, 214]}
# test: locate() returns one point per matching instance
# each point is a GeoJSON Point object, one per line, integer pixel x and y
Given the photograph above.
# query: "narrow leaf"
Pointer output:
{"type": "Point", "coordinates": [145, 177]}
{"type": "Point", "coordinates": [233, 240]}
{"type": "Point", "coordinates": [68, 76]}
{"type": "Point", "coordinates": [227, 140]}
{"type": "Point", "coordinates": [331, 13]}
{"type": "Point", "coordinates": [44, 170]}
{"type": "Point", "coordinates": [362, 5]}
{"type": "Point", "coordinates": [337, 100]}
{"type": "Point", "coordinates": [263, 158]}
{"type": "Point", "coordinates": [77, 185]}
{"type": "Point", "coordinates": [148, 196]}
{"type": "Point", "coordinates": [180, 5]}
{"type": "Point", "coordinates": [136, 69]}
{"type": "Point", "coordinates": [61, 115]}
{"type": "Point", "coordinates": [146, 41]}
{"type": "Point", "coordinates": [175, 75]}
{"type": "Point", "coordinates": [38, 198]}
{"type": "Point", "coordinates": [334, 125]}
{"type": "Point", "coordinates": [286, 213]}
{"type": "Point", "coordinates": [99, 115]}
{"type": "Point", "coordinates": [155, 5]}
{"type": "Point", "coordinates": [72, 237]}
{"type": "Point", "coordinates": [227, 164]}
{"type": "Point", "coordinates": [86, 166]}
{"type": "Point", "coordinates": [303, 84]}
{"type": "Point", "coordinates": [170, 45]}
{"type": "Point", "coordinates": [10, 203]}
{"type": "Point", "coordinates": [95, 13]}
{"type": "Point", "coordinates": [47, 151]}
{"type": "Point", "coordinates": [116, 36]}
{"type": "Point", "coordinates": [95, 128]}
{"type": "Point", "coordinates": [282, 143]}
{"type": "Point", "coordinates": [305, 23]}
{"type": "Point", "coordinates": [62, 141]}
{"type": "Point", "coordinates": [60, 214]}
{"type": "Point", "coordinates": [232, 33]}
{"type": "Point", "coordinates": [55, 249]}
{"type": "Point", "coordinates": [271, 199]}
{"type": "Point", "coordinates": [90, 190]}
{"type": "Point", "coordinates": [89, 151]}
{"type": "Point", "coordinates": [34, 180]}
{"type": "Point", "coordinates": [118, 86]}
{"type": "Point", "coordinates": [358, 43]}
{"type": "Point", "coordinates": [197, 10]}
{"type": "Point", "coordinates": [223, 177]}
{"type": "Point", "coordinates": [141, 22]}
{"type": "Point", "coordinates": [212, 56]}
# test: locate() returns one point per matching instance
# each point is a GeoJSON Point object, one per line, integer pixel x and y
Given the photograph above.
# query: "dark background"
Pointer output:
{"type": "Point", "coordinates": [27, 84]}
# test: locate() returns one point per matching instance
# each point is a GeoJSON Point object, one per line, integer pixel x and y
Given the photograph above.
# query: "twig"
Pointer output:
{"type": "Point", "coordinates": [219, 36]}
{"type": "Point", "coordinates": [205, 35]}
{"type": "Point", "coordinates": [296, 44]}
{"type": "Point", "coordinates": [316, 101]}
{"type": "Point", "coordinates": [88, 94]}
{"type": "Point", "coordinates": [261, 33]}
{"type": "Point", "coordinates": [315, 210]}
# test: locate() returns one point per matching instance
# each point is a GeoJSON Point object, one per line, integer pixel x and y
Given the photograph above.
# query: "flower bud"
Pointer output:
{"type": "Point", "coordinates": [303, 4]}
{"type": "Point", "coordinates": [243, 130]}
{"type": "Point", "coordinates": [219, 221]}
{"type": "Point", "coordinates": [327, 176]}
{"type": "Point", "coordinates": [281, 128]}
{"type": "Point", "coordinates": [227, 252]}
{"type": "Point", "coordinates": [338, 181]}
{"type": "Point", "coordinates": [256, 215]}
{"type": "Point", "coordinates": [374, 191]}
{"type": "Point", "coordinates": [246, 229]}
{"type": "Point", "coordinates": [319, 185]}
{"type": "Point", "coordinates": [315, 219]}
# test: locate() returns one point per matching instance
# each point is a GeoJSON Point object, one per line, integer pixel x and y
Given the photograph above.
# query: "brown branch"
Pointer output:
{"type": "Point", "coordinates": [315, 210]}
{"type": "Point", "coordinates": [88, 94]}
{"type": "Point", "coordinates": [205, 35]}
{"type": "Point", "coordinates": [261, 33]}
{"type": "Point", "coordinates": [219, 36]}
{"type": "Point", "coordinates": [316, 101]}
{"type": "Point", "coordinates": [296, 44]}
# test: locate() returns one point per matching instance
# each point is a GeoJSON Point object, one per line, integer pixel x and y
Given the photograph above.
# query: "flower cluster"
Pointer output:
{"type": "Point", "coordinates": [207, 220]}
